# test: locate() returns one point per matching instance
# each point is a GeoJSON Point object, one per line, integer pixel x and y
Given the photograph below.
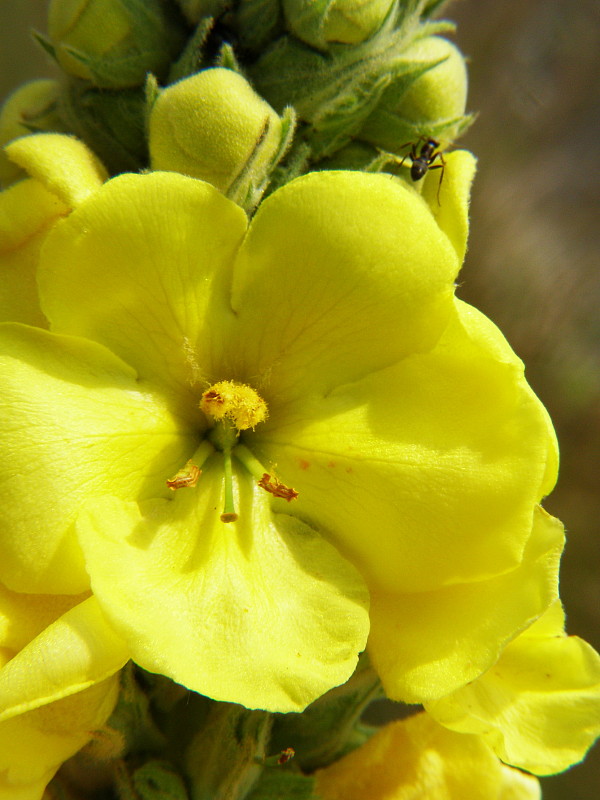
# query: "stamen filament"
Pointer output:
{"type": "Point", "coordinates": [229, 514]}
{"type": "Point", "coordinates": [249, 461]}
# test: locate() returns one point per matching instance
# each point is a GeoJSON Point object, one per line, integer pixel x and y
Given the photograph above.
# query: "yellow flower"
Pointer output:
{"type": "Point", "coordinates": [417, 759]}
{"type": "Point", "coordinates": [58, 684]}
{"type": "Point", "coordinates": [64, 173]}
{"type": "Point", "coordinates": [237, 435]}
{"type": "Point", "coordinates": [538, 707]}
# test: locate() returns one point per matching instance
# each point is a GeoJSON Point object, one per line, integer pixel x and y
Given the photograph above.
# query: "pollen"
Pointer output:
{"type": "Point", "coordinates": [276, 488]}
{"type": "Point", "coordinates": [186, 477]}
{"type": "Point", "coordinates": [237, 402]}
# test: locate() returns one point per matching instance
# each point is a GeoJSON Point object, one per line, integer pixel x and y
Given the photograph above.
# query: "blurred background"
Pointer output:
{"type": "Point", "coordinates": [533, 264]}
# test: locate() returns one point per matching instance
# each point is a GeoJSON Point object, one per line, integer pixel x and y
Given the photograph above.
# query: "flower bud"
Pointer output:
{"type": "Point", "coordinates": [433, 104]}
{"type": "Point", "coordinates": [194, 10]}
{"type": "Point", "coordinates": [32, 105]}
{"type": "Point", "coordinates": [320, 23]}
{"type": "Point", "coordinates": [213, 126]}
{"type": "Point", "coordinates": [257, 24]}
{"type": "Point", "coordinates": [113, 43]}
{"type": "Point", "coordinates": [111, 123]}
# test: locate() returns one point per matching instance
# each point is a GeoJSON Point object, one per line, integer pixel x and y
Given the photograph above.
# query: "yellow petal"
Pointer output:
{"type": "Point", "coordinates": [143, 268]}
{"type": "Point", "coordinates": [425, 645]}
{"type": "Point", "coordinates": [27, 212]}
{"type": "Point", "coordinates": [35, 744]}
{"type": "Point", "coordinates": [538, 707]}
{"type": "Point", "coordinates": [54, 644]}
{"type": "Point", "coordinates": [262, 611]}
{"type": "Point", "coordinates": [63, 164]}
{"type": "Point", "coordinates": [424, 474]}
{"type": "Point", "coordinates": [75, 652]}
{"type": "Point", "coordinates": [24, 616]}
{"type": "Point", "coordinates": [449, 202]}
{"type": "Point", "coordinates": [416, 759]}
{"type": "Point", "coordinates": [30, 103]}
{"type": "Point", "coordinates": [341, 274]}
{"type": "Point", "coordinates": [76, 423]}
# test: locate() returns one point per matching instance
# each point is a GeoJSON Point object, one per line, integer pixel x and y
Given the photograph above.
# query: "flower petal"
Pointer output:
{"type": "Point", "coordinates": [27, 211]}
{"type": "Point", "coordinates": [143, 267]}
{"type": "Point", "coordinates": [75, 652]}
{"type": "Point", "coordinates": [440, 458]}
{"type": "Point", "coordinates": [63, 164]}
{"type": "Point", "coordinates": [261, 612]}
{"type": "Point", "coordinates": [35, 744]}
{"type": "Point", "coordinates": [76, 422]}
{"type": "Point", "coordinates": [24, 616]}
{"type": "Point", "coordinates": [427, 645]}
{"type": "Point", "coordinates": [416, 758]}
{"type": "Point", "coordinates": [538, 707]}
{"type": "Point", "coordinates": [451, 209]}
{"type": "Point", "coordinates": [341, 273]}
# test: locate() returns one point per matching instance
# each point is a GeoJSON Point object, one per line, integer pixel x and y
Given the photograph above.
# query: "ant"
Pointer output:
{"type": "Point", "coordinates": [422, 160]}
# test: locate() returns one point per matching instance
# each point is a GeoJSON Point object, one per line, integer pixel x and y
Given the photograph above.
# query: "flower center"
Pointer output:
{"type": "Point", "coordinates": [233, 407]}
{"type": "Point", "coordinates": [236, 402]}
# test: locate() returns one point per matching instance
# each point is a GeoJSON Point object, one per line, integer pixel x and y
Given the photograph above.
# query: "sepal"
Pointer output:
{"type": "Point", "coordinates": [113, 43]}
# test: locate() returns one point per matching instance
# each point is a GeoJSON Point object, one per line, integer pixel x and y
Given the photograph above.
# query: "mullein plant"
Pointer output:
{"type": "Point", "coordinates": [260, 465]}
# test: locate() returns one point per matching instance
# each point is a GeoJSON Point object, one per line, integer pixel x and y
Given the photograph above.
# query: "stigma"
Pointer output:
{"type": "Point", "coordinates": [237, 403]}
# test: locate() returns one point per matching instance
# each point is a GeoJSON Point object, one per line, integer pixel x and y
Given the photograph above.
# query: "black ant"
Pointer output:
{"type": "Point", "coordinates": [422, 160]}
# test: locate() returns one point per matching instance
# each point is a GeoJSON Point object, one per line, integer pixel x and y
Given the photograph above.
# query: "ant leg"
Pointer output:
{"type": "Point", "coordinates": [441, 166]}
{"type": "Point", "coordinates": [412, 154]}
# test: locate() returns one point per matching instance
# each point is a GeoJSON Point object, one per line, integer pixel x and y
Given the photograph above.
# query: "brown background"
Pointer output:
{"type": "Point", "coordinates": [533, 263]}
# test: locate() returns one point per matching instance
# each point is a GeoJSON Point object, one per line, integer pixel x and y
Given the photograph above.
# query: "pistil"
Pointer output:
{"type": "Point", "coordinates": [229, 514]}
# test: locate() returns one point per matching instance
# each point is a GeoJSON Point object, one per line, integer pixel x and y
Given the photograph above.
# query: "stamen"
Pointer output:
{"type": "Point", "coordinates": [249, 461]}
{"type": "Point", "coordinates": [229, 514]}
{"type": "Point", "coordinates": [270, 484]}
{"type": "Point", "coordinates": [266, 481]}
{"type": "Point", "coordinates": [186, 477]}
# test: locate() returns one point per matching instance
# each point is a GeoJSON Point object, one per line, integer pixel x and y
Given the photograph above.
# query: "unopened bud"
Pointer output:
{"type": "Point", "coordinates": [433, 104]}
{"type": "Point", "coordinates": [194, 10]}
{"type": "Point", "coordinates": [113, 43]}
{"type": "Point", "coordinates": [213, 126]}
{"type": "Point", "coordinates": [321, 23]}
{"type": "Point", "coordinates": [111, 123]}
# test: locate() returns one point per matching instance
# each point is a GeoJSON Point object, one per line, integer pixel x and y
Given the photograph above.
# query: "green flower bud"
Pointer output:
{"type": "Point", "coordinates": [111, 123]}
{"type": "Point", "coordinates": [433, 104]}
{"type": "Point", "coordinates": [194, 10]}
{"type": "Point", "coordinates": [213, 126]}
{"type": "Point", "coordinates": [257, 23]}
{"type": "Point", "coordinates": [113, 43]}
{"type": "Point", "coordinates": [321, 23]}
{"type": "Point", "coordinates": [30, 107]}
